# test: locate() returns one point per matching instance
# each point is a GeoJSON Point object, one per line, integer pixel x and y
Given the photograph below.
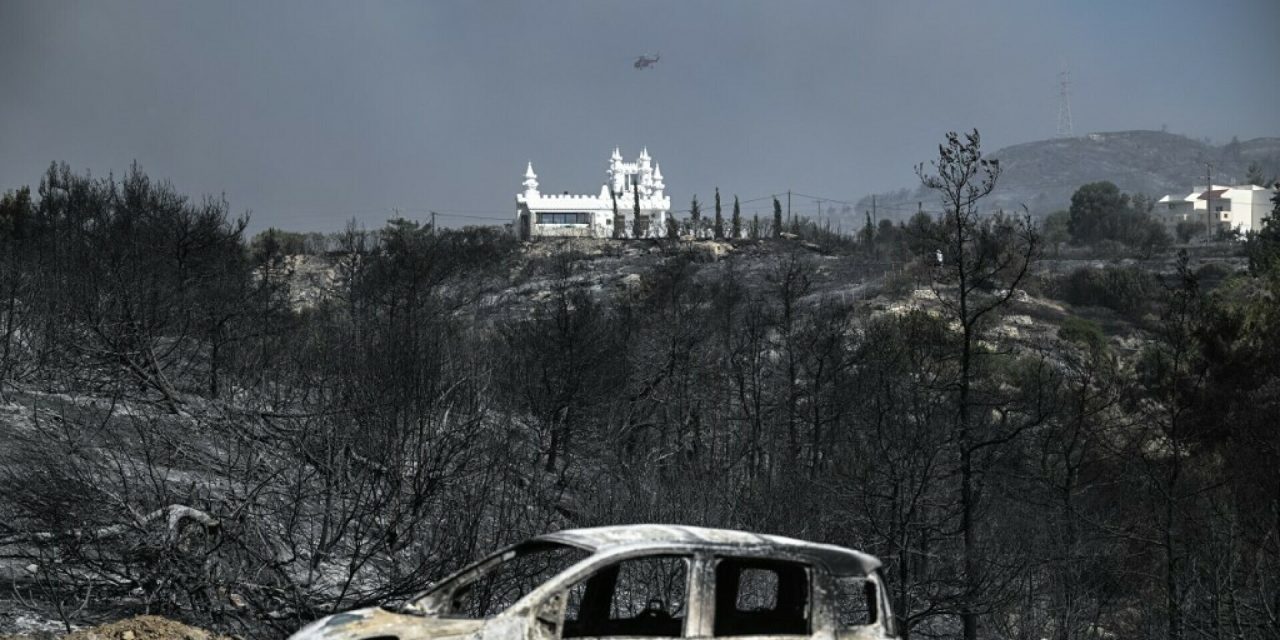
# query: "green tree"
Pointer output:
{"type": "Point", "coordinates": [1263, 247]}
{"type": "Point", "coordinates": [718, 231]}
{"type": "Point", "coordinates": [1142, 203]}
{"type": "Point", "coordinates": [1253, 175]}
{"type": "Point", "coordinates": [922, 235]}
{"type": "Point", "coordinates": [1057, 229]}
{"type": "Point", "coordinates": [1094, 210]}
{"type": "Point", "coordinates": [617, 221]}
{"type": "Point", "coordinates": [695, 217]}
{"type": "Point", "coordinates": [637, 229]}
{"type": "Point", "coordinates": [777, 217]}
{"type": "Point", "coordinates": [1100, 211]}
{"type": "Point", "coordinates": [736, 220]}
{"type": "Point", "coordinates": [868, 234]}
{"type": "Point", "coordinates": [1186, 230]}
{"type": "Point", "coordinates": [1082, 331]}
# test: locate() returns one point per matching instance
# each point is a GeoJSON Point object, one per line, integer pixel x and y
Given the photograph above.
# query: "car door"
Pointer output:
{"type": "Point", "coordinates": [759, 597]}
{"type": "Point", "coordinates": [643, 596]}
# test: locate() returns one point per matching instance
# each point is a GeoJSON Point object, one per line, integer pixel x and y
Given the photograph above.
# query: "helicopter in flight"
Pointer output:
{"type": "Point", "coordinates": [645, 62]}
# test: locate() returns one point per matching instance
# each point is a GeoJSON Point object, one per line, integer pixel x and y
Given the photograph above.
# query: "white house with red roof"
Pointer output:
{"type": "Point", "coordinates": [1241, 208]}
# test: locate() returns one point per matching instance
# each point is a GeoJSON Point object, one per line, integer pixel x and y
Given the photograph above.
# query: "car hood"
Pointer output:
{"type": "Point", "coordinates": [375, 622]}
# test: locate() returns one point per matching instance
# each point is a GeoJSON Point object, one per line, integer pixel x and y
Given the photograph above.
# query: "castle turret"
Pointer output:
{"type": "Point", "coordinates": [645, 172]}
{"type": "Point", "coordinates": [530, 181]}
{"type": "Point", "coordinates": [617, 176]}
{"type": "Point", "coordinates": [658, 184]}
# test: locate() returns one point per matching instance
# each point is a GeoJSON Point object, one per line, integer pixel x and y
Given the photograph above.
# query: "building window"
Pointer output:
{"type": "Point", "coordinates": [573, 217]}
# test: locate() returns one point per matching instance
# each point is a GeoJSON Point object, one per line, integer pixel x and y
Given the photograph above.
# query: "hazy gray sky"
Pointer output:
{"type": "Point", "coordinates": [311, 113]}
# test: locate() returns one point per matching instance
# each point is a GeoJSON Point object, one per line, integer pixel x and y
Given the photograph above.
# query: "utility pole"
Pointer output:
{"type": "Point", "coordinates": [1208, 205]}
{"type": "Point", "coordinates": [873, 210]}
{"type": "Point", "coordinates": [788, 206]}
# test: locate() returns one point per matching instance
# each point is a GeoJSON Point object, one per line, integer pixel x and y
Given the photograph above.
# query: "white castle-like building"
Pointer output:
{"type": "Point", "coordinates": [540, 215]}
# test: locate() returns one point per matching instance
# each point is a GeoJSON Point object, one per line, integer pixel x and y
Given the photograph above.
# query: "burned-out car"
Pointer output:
{"type": "Point", "coordinates": [641, 581]}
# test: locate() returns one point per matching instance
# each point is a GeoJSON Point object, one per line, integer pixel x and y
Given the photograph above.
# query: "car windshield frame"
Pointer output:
{"type": "Point", "coordinates": [438, 599]}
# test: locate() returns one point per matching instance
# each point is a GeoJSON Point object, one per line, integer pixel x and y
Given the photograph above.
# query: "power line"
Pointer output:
{"type": "Point", "coordinates": [823, 198]}
{"type": "Point", "coordinates": [491, 215]}
{"type": "Point", "coordinates": [465, 216]}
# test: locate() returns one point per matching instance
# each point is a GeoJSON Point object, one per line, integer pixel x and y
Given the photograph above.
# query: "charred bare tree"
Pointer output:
{"type": "Point", "coordinates": [984, 261]}
{"type": "Point", "coordinates": [450, 393]}
{"type": "Point", "coordinates": [16, 240]}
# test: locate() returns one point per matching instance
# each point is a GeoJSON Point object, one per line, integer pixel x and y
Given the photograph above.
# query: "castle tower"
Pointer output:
{"type": "Point", "coordinates": [617, 175]}
{"type": "Point", "coordinates": [530, 182]}
{"type": "Point", "coordinates": [644, 172]}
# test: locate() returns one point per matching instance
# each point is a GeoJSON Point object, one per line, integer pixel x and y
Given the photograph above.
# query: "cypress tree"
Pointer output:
{"type": "Point", "coordinates": [636, 230]}
{"type": "Point", "coordinates": [695, 214]}
{"type": "Point", "coordinates": [718, 232]}
{"type": "Point", "coordinates": [617, 228]}
{"type": "Point", "coordinates": [777, 217]}
{"type": "Point", "coordinates": [737, 219]}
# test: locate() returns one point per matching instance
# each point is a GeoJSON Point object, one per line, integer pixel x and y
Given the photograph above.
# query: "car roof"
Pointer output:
{"type": "Point", "coordinates": [838, 560]}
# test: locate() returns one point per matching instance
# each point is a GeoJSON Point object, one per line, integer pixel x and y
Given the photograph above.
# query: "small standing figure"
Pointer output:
{"type": "Point", "coordinates": [938, 255]}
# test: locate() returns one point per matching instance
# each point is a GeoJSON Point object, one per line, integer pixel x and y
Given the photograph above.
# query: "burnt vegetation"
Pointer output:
{"type": "Point", "coordinates": [183, 432]}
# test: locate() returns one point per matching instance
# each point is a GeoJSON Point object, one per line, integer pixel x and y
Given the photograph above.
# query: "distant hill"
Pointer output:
{"type": "Point", "coordinates": [1044, 174]}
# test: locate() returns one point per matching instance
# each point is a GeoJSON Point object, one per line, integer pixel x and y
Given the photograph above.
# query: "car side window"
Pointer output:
{"type": "Point", "coordinates": [527, 567]}
{"type": "Point", "coordinates": [854, 599]}
{"type": "Point", "coordinates": [761, 596]}
{"type": "Point", "coordinates": [645, 596]}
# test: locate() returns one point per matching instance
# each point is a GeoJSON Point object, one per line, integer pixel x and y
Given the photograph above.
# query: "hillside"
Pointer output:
{"type": "Point", "coordinates": [1043, 174]}
{"type": "Point", "coordinates": [244, 439]}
